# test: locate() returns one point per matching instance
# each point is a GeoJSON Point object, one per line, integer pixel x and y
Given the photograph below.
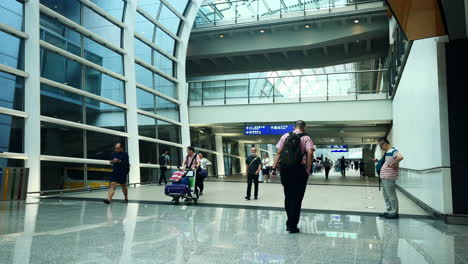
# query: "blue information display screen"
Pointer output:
{"type": "Point", "coordinates": [262, 130]}
{"type": "Point", "coordinates": [338, 148]}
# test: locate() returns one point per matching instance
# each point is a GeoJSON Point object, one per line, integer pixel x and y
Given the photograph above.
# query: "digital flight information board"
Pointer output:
{"type": "Point", "coordinates": [338, 148]}
{"type": "Point", "coordinates": [263, 130]}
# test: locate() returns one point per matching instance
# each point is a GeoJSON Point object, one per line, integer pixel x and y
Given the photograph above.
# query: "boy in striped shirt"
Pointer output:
{"type": "Point", "coordinates": [389, 175]}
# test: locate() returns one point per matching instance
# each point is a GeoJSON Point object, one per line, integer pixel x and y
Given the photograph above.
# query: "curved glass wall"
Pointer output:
{"type": "Point", "coordinates": [83, 106]}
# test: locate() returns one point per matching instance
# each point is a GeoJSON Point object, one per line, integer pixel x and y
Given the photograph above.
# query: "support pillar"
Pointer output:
{"type": "Point", "coordinates": [368, 153]}
{"type": "Point", "coordinates": [220, 156]}
{"type": "Point", "coordinates": [131, 92]}
{"type": "Point", "coordinates": [32, 100]}
{"type": "Point", "coordinates": [243, 156]}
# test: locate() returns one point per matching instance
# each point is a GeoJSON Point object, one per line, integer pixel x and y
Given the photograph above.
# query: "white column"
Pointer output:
{"type": "Point", "coordinates": [220, 156]}
{"type": "Point", "coordinates": [243, 165]}
{"type": "Point", "coordinates": [130, 91]}
{"type": "Point", "coordinates": [32, 100]}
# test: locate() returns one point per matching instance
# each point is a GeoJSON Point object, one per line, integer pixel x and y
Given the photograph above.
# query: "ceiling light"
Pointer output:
{"type": "Point", "coordinates": [356, 21]}
{"type": "Point", "coordinates": [221, 36]}
{"type": "Point", "coordinates": [307, 26]}
{"type": "Point", "coordinates": [332, 140]}
{"type": "Point", "coordinates": [262, 31]}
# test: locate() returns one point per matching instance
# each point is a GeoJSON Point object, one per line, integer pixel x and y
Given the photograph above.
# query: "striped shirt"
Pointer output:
{"type": "Point", "coordinates": [388, 172]}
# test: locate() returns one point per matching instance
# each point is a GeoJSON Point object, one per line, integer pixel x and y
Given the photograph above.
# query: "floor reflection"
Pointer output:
{"type": "Point", "coordinates": [55, 231]}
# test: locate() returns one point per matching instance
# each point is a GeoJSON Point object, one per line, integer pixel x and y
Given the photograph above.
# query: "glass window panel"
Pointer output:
{"type": "Point", "coordinates": [61, 175]}
{"type": "Point", "coordinates": [104, 115]}
{"type": "Point", "coordinates": [145, 100]}
{"type": "Point", "coordinates": [164, 41]}
{"type": "Point", "coordinates": [103, 56]}
{"type": "Point", "coordinates": [98, 175]}
{"type": "Point", "coordinates": [146, 126]}
{"type": "Point", "coordinates": [70, 8]}
{"type": "Point", "coordinates": [59, 35]}
{"type": "Point", "coordinates": [11, 163]}
{"type": "Point", "coordinates": [144, 27]}
{"type": "Point", "coordinates": [167, 109]}
{"type": "Point", "coordinates": [11, 14]}
{"type": "Point", "coordinates": [58, 103]}
{"type": "Point", "coordinates": [174, 152]}
{"type": "Point", "coordinates": [144, 76]}
{"type": "Point", "coordinates": [143, 51]}
{"type": "Point", "coordinates": [165, 86]}
{"type": "Point", "coordinates": [180, 5]}
{"type": "Point", "coordinates": [148, 175]}
{"type": "Point", "coordinates": [11, 51]}
{"type": "Point", "coordinates": [100, 146]}
{"type": "Point", "coordinates": [104, 85]}
{"type": "Point", "coordinates": [11, 131]}
{"type": "Point", "coordinates": [60, 69]}
{"type": "Point", "coordinates": [11, 91]}
{"type": "Point", "coordinates": [59, 140]}
{"type": "Point", "coordinates": [168, 131]}
{"type": "Point", "coordinates": [101, 26]}
{"type": "Point", "coordinates": [115, 7]}
{"type": "Point", "coordinates": [163, 63]}
{"type": "Point", "coordinates": [168, 19]}
{"type": "Point", "coordinates": [150, 6]}
{"type": "Point", "coordinates": [148, 152]}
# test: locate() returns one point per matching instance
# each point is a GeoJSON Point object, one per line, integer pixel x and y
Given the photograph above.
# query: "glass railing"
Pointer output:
{"type": "Point", "coordinates": [345, 86]}
{"type": "Point", "coordinates": [397, 55]}
{"type": "Point", "coordinates": [247, 11]}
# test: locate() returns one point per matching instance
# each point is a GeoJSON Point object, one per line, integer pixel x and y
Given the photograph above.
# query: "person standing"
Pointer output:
{"type": "Point", "coordinates": [294, 158]}
{"type": "Point", "coordinates": [361, 167]}
{"type": "Point", "coordinates": [164, 165]}
{"type": "Point", "coordinates": [343, 166]}
{"type": "Point", "coordinates": [254, 166]}
{"type": "Point", "coordinates": [202, 172]}
{"type": "Point", "coordinates": [389, 174]}
{"type": "Point", "coordinates": [266, 167]}
{"type": "Point", "coordinates": [120, 168]}
{"type": "Point", "coordinates": [327, 165]}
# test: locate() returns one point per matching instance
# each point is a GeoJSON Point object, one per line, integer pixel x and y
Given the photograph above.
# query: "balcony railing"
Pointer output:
{"type": "Point", "coordinates": [248, 11]}
{"type": "Point", "coordinates": [345, 86]}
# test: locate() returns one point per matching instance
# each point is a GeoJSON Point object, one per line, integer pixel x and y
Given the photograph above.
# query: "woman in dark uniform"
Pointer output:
{"type": "Point", "coordinates": [120, 169]}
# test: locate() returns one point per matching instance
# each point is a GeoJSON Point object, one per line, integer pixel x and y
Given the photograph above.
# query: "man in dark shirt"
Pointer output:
{"type": "Point", "coordinates": [120, 169]}
{"type": "Point", "coordinates": [343, 166]}
{"type": "Point", "coordinates": [254, 164]}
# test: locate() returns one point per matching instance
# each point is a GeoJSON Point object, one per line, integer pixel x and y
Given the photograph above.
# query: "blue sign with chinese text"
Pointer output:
{"type": "Point", "coordinates": [262, 130]}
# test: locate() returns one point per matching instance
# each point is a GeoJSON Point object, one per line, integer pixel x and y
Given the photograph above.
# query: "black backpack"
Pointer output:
{"type": "Point", "coordinates": [162, 160]}
{"type": "Point", "coordinates": [291, 155]}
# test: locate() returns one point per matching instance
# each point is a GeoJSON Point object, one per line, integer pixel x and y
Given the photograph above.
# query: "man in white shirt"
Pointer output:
{"type": "Point", "coordinates": [266, 167]}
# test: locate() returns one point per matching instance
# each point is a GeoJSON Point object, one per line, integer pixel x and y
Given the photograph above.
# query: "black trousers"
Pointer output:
{"type": "Point", "coordinates": [343, 171]}
{"type": "Point", "coordinates": [252, 178]}
{"type": "Point", "coordinates": [163, 175]}
{"type": "Point", "coordinates": [200, 182]}
{"type": "Point", "coordinates": [327, 172]}
{"type": "Point", "coordinates": [294, 181]}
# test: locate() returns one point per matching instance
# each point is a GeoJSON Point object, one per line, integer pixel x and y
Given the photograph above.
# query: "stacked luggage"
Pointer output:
{"type": "Point", "coordinates": [183, 186]}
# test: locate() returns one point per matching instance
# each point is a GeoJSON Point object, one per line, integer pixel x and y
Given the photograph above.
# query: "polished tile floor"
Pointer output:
{"type": "Point", "coordinates": [318, 197]}
{"type": "Point", "coordinates": [56, 231]}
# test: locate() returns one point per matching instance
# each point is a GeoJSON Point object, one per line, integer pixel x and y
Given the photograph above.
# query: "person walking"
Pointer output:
{"type": "Point", "coordinates": [266, 167]}
{"type": "Point", "coordinates": [361, 168]}
{"type": "Point", "coordinates": [389, 174]}
{"type": "Point", "coordinates": [327, 165]}
{"type": "Point", "coordinates": [294, 158]}
{"type": "Point", "coordinates": [120, 169]}
{"type": "Point", "coordinates": [164, 165]}
{"type": "Point", "coordinates": [202, 172]}
{"type": "Point", "coordinates": [191, 163]}
{"type": "Point", "coordinates": [343, 166]}
{"type": "Point", "coordinates": [254, 166]}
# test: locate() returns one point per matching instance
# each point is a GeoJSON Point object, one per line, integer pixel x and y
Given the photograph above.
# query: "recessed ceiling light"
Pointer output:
{"type": "Point", "coordinates": [307, 26]}
{"type": "Point", "coordinates": [332, 140]}
{"type": "Point", "coordinates": [356, 21]}
{"type": "Point", "coordinates": [262, 31]}
{"type": "Point", "coordinates": [221, 36]}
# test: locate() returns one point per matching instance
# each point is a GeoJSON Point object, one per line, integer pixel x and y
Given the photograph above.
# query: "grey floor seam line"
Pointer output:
{"type": "Point", "coordinates": [322, 184]}
{"type": "Point", "coordinates": [251, 207]}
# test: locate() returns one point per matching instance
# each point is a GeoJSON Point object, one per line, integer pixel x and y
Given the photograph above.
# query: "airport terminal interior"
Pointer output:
{"type": "Point", "coordinates": [378, 84]}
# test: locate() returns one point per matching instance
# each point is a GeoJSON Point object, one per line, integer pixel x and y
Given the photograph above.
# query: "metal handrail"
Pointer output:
{"type": "Point", "coordinates": [428, 169]}
{"type": "Point", "coordinates": [290, 76]}
{"type": "Point", "coordinates": [61, 191]}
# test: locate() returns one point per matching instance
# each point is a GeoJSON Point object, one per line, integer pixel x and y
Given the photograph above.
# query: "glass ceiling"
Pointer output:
{"type": "Point", "coordinates": [226, 10]}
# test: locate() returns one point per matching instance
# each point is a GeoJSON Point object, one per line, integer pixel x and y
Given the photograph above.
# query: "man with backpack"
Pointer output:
{"type": "Point", "coordinates": [164, 163]}
{"type": "Point", "coordinates": [327, 165]}
{"type": "Point", "coordinates": [294, 157]}
{"type": "Point", "coordinates": [254, 166]}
